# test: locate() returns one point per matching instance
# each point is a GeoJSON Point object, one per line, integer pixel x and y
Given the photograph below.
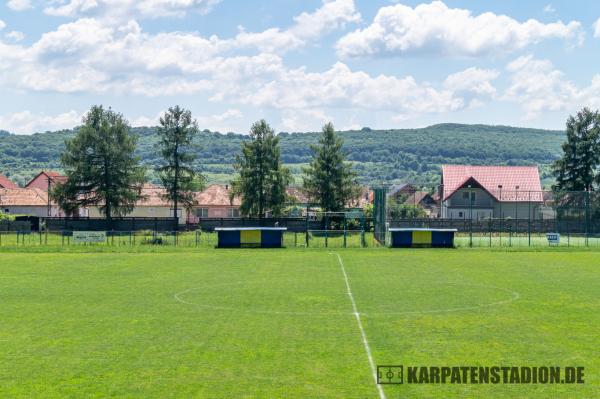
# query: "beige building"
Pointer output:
{"type": "Point", "coordinates": [213, 202]}
{"type": "Point", "coordinates": [28, 201]}
{"type": "Point", "coordinates": [152, 206]}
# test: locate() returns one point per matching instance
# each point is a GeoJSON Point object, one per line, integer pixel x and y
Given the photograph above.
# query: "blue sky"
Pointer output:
{"type": "Point", "coordinates": [299, 63]}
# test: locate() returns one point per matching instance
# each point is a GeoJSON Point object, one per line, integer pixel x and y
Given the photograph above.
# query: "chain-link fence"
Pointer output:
{"type": "Point", "coordinates": [482, 217]}
{"type": "Point", "coordinates": [190, 239]}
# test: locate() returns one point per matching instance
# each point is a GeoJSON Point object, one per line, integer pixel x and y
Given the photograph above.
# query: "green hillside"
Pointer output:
{"type": "Point", "coordinates": [378, 155]}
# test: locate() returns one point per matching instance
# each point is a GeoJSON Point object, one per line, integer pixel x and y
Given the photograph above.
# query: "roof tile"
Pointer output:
{"type": "Point", "coordinates": [5, 182]}
{"type": "Point", "coordinates": [519, 183]}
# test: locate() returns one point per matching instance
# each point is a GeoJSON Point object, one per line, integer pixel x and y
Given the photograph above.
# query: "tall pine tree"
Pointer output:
{"type": "Point", "coordinates": [176, 133]}
{"type": "Point", "coordinates": [576, 169]}
{"type": "Point", "coordinates": [329, 179]}
{"type": "Point", "coordinates": [101, 167]}
{"type": "Point", "coordinates": [262, 179]}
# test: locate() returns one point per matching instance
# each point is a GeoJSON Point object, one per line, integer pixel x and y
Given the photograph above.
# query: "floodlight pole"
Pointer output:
{"type": "Point", "coordinates": [501, 218]}
{"type": "Point", "coordinates": [529, 216]}
{"type": "Point", "coordinates": [470, 216]}
{"type": "Point", "coordinates": [516, 204]}
{"type": "Point", "coordinates": [49, 188]}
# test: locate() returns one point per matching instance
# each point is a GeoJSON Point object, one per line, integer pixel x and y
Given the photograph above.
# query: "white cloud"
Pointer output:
{"type": "Point", "coordinates": [145, 120]}
{"type": "Point", "coordinates": [538, 87]}
{"type": "Point", "coordinates": [549, 9]}
{"type": "Point", "coordinates": [436, 29]}
{"type": "Point", "coordinates": [2, 24]}
{"type": "Point", "coordinates": [26, 122]}
{"type": "Point", "coordinates": [228, 121]}
{"type": "Point", "coordinates": [72, 8]}
{"type": "Point", "coordinates": [332, 15]}
{"type": "Point", "coordinates": [597, 28]}
{"type": "Point", "coordinates": [92, 56]}
{"type": "Point", "coordinates": [304, 120]}
{"type": "Point", "coordinates": [15, 35]}
{"type": "Point", "coordinates": [475, 80]}
{"type": "Point", "coordinates": [224, 122]}
{"type": "Point", "coordinates": [19, 5]}
{"type": "Point", "coordinates": [341, 87]}
{"type": "Point", "coordinates": [125, 9]}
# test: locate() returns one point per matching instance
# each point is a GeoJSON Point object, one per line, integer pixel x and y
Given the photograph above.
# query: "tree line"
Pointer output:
{"type": "Point", "coordinates": [378, 156]}
{"type": "Point", "coordinates": [103, 169]}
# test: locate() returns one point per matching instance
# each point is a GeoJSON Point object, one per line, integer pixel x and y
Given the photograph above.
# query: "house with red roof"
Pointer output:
{"type": "Point", "coordinates": [28, 201]}
{"type": "Point", "coordinates": [5, 182]}
{"type": "Point", "coordinates": [45, 180]}
{"type": "Point", "coordinates": [213, 202]}
{"type": "Point", "coordinates": [481, 192]}
{"type": "Point", "coordinates": [423, 200]}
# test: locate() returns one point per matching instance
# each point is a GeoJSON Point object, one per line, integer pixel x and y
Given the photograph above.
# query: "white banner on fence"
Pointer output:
{"type": "Point", "coordinates": [553, 238]}
{"type": "Point", "coordinates": [89, 236]}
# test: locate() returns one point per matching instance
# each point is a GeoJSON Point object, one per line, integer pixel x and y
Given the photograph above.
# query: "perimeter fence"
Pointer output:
{"type": "Point", "coordinates": [482, 218]}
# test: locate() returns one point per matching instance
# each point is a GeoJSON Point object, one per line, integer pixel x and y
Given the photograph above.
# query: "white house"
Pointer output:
{"type": "Point", "coordinates": [480, 192]}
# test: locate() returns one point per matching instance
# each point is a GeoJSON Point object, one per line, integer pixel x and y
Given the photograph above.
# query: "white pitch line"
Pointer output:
{"type": "Point", "coordinates": [362, 330]}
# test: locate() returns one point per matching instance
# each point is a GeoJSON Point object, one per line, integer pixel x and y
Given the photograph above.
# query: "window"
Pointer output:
{"type": "Point", "coordinates": [6, 210]}
{"type": "Point", "coordinates": [460, 214]}
{"type": "Point", "coordinates": [202, 213]}
{"type": "Point", "coordinates": [466, 195]}
{"type": "Point", "coordinates": [233, 213]}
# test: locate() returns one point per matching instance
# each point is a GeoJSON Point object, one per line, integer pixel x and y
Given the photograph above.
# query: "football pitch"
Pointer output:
{"type": "Point", "coordinates": [293, 323]}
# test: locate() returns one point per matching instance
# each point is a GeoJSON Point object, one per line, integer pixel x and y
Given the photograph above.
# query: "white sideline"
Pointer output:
{"type": "Point", "coordinates": [362, 330]}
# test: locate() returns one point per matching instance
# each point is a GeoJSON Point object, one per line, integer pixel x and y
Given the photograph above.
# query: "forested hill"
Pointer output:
{"type": "Point", "coordinates": [396, 155]}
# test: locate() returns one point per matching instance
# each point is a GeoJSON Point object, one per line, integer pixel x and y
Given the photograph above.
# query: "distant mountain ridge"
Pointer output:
{"type": "Point", "coordinates": [379, 156]}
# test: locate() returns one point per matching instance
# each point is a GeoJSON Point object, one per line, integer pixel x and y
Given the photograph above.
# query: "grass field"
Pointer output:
{"type": "Point", "coordinates": [280, 323]}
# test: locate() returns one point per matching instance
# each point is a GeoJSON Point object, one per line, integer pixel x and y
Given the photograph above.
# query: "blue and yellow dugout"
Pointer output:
{"type": "Point", "coordinates": [422, 238]}
{"type": "Point", "coordinates": [250, 237]}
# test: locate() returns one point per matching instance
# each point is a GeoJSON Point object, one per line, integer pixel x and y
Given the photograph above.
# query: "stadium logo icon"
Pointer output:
{"type": "Point", "coordinates": [390, 375]}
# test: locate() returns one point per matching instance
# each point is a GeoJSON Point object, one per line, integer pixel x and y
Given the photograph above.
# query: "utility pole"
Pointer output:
{"type": "Point", "coordinates": [48, 192]}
